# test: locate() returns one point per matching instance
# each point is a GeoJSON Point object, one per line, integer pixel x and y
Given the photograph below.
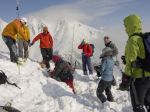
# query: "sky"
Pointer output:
{"type": "Point", "coordinates": [96, 13]}
{"type": "Point", "coordinates": [106, 14]}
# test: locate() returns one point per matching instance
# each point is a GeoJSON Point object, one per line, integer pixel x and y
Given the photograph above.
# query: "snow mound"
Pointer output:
{"type": "Point", "coordinates": [42, 94]}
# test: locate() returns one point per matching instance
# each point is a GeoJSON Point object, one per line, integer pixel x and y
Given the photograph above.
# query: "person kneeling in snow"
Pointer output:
{"type": "Point", "coordinates": [62, 71]}
{"type": "Point", "coordinates": [105, 83]}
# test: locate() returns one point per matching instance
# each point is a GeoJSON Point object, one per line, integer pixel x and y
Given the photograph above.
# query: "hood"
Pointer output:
{"type": "Point", "coordinates": [132, 24]}
{"type": "Point", "coordinates": [56, 58]}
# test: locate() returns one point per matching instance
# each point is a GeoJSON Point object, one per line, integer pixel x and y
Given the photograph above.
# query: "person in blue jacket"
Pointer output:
{"type": "Point", "coordinates": [107, 64]}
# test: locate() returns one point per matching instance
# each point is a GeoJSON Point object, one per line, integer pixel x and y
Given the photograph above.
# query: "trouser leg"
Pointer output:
{"type": "Point", "coordinates": [108, 92]}
{"type": "Point", "coordinates": [138, 90]}
{"type": "Point", "coordinates": [84, 65]}
{"type": "Point", "coordinates": [11, 44]}
{"type": "Point", "coordinates": [26, 51]}
{"type": "Point", "coordinates": [89, 65]}
{"type": "Point", "coordinates": [101, 87]}
{"type": "Point", "coordinates": [20, 47]}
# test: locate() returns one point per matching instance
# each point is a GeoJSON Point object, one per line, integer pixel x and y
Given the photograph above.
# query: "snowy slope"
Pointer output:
{"type": "Point", "coordinates": [42, 94]}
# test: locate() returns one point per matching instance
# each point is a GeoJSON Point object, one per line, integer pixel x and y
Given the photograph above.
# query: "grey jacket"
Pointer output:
{"type": "Point", "coordinates": [113, 47]}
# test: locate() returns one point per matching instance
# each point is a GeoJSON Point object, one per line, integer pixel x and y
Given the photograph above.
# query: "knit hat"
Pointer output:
{"type": "Point", "coordinates": [107, 51]}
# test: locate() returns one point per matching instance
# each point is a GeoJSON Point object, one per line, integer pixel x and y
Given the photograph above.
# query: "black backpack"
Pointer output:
{"type": "Point", "coordinates": [3, 79]}
{"type": "Point", "coordinates": [92, 45]}
{"type": "Point", "coordinates": [146, 40]}
{"type": "Point", "coordinates": [9, 109]}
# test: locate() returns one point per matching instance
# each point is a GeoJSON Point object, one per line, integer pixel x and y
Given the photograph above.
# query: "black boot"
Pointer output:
{"type": "Point", "coordinates": [139, 108]}
{"type": "Point", "coordinates": [147, 108]}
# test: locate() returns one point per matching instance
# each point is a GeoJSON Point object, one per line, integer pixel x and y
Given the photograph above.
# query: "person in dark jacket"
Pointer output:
{"type": "Point", "coordinates": [86, 57]}
{"type": "Point", "coordinates": [107, 65]}
{"type": "Point", "coordinates": [46, 45]}
{"type": "Point", "coordinates": [62, 71]}
{"type": "Point", "coordinates": [109, 43]}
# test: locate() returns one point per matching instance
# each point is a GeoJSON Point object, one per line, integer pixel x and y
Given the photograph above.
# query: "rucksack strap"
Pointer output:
{"type": "Point", "coordinates": [142, 36]}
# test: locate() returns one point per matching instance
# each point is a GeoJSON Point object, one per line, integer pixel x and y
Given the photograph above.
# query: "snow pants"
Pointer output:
{"type": "Point", "coordinates": [140, 94]}
{"type": "Point", "coordinates": [104, 86]}
{"type": "Point", "coordinates": [11, 44]}
{"type": "Point", "coordinates": [47, 54]}
{"type": "Point", "coordinates": [86, 63]}
{"type": "Point", "coordinates": [70, 84]}
{"type": "Point", "coordinates": [23, 46]}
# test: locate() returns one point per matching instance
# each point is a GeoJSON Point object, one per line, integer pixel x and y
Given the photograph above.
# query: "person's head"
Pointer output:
{"type": "Point", "coordinates": [85, 41]}
{"type": "Point", "coordinates": [45, 29]}
{"type": "Point", "coordinates": [23, 20]}
{"type": "Point", "coordinates": [107, 51]}
{"type": "Point", "coordinates": [106, 39]}
{"type": "Point", "coordinates": [132, 24]}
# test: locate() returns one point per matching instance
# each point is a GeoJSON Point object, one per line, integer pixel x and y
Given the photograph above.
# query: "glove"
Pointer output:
{"type": "Point", "coordinates": [30, 44]}
{"type": "Point", "coordinates": [123, 60]}
{"type": "Point", "coordinates": [125, 84]}
{"type": "Point", "coordinates": [14, 41]}
{"type": "Point", "coordinates": [28, 41]}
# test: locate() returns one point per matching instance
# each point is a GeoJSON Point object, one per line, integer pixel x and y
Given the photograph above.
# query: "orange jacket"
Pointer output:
{"type": "Point", "coordinates": [46, 40]}
{"type": "Point", "coordinates": [87, 49]}
{"type": "Point", "coordinates": [26, 32]}
{"type": "Point", "coordinates": [13, 28]}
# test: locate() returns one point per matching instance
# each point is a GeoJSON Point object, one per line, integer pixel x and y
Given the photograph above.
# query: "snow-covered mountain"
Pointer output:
{"type": "Point", "coordinates": [39, 93]}
{"type": "Point", "coordinates": [67, 36]}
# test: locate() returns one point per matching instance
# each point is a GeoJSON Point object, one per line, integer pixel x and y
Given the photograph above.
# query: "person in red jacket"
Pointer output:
{"type": "Point", "coordinates": [86, 54]}
{"type": "Point", "coordinates": [46, 45]}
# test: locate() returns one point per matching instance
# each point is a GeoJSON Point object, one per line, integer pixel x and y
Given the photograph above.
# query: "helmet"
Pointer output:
{"type": "Point", "coordinates": [23, 20]}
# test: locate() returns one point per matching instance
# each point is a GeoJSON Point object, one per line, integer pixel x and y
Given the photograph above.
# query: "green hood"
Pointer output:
{"type": "Point", "coordinates": [132, 24]}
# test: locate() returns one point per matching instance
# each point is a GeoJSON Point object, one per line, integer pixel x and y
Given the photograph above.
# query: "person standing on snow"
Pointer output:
{"type": "Point", "coordinates": [134, 76]}
{"type": "Point", "coordinates": [16, 27]}
{"type": "Point", "coordinates": [62, 71]}
{"type": "Point", "coordinates": [109, 43]}
{"type": "Point", "coordinates": [46, 45]}
{"type": "Point", "coordinates": [23, 45]}
{"type": "Point", "coordinates": [86, 57]}
{"type": "Point", "coordinates": [105, 83]}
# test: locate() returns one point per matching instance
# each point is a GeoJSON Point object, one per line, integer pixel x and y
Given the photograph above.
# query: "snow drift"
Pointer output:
{"type": "Point", "coordinates": [42, 94]}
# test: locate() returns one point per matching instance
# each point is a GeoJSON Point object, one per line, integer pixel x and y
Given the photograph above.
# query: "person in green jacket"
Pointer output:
{"type": "Point", "coordinates": [134, 77]}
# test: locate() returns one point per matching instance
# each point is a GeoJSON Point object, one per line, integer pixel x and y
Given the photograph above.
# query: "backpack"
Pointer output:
{"type": "Point", "coordinates": [146, 41]}
{"type": "Point", "coordinates": [3, 79]}
{"type": "Point", "coordinates": [92, 45]}
{"type": "Point", "coordinates": [8, 109]}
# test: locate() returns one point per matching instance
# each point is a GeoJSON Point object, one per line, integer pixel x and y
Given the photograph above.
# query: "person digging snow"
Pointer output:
{"type": "Point", "coordinates": [62, 71]}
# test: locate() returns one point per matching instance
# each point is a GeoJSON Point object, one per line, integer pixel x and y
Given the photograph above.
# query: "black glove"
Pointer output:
{"type": "Point", "coordinates": [123, 59]}
{"type": "Point", "coordinates": [30, 44]}
{"type": "Point", "coordinates": [28, 41]}
{"type": "Point", "coordinates": [125, 84]}
{"type": "Point", "coordinates": [14, 41]}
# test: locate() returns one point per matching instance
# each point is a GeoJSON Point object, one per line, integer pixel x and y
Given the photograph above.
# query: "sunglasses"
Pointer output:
{"type": "Point", "coordinates": [106, 38]}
